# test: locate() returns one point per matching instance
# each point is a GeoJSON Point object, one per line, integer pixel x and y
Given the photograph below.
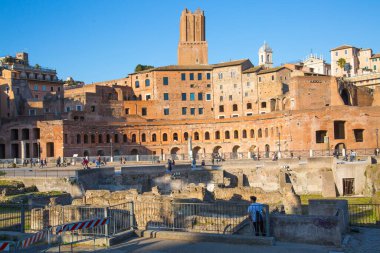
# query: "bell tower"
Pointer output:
{"type": "Point", "coordinates": [192, 46]}
{"type": "Point", "coordinates": [265, 56]}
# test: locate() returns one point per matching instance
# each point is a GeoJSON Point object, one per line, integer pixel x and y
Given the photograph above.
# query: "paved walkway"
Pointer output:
{"type": "Point", "coordinates": [367, 240]}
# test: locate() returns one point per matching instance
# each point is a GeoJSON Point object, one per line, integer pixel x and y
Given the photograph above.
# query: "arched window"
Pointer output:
{"type": "Point", "coordinates": [92, 138]}
{"type": "Point", "coordinates": [267, 57]}
{"type": "Point", "coordinates": [78, 138]}
{"type": "Point", "coordinates": [85, 139]}
{"type": "Point", "coordinates": [125, 138]}
{"type": "Point", "coordinates": [249, 106]}
{"type": "Point", "coordinates": [244, 134]}
{"type": "Point", "coordinates": [147, 82]}
{"type": "Point", "coordinates": [133, 138]}
{"type": "Point", "coordinates": [108, 138]}
{"type": "Point", "coordinates": [236, 134]}
{"type": "Point", "coordinates": [234, 107]}
{"type": "Point", "coordinates": [217, 135]}
{"type": "Point", "coordinates": [100, 138]}
{"type": "Point", "coordinates": [252, 133]}
{"type": "Point", "coordinates": [186, 136]}
{"type": "Point", "coordinates": [165, 137]}
{"type": "Point", "coordinates": [116, 138]}
{"type": "Point", "coordinates": [226, 134]}
{"type": "Point", "coordinates": [175, 137]}
{"type": "Point", "coordinates": [154, 137]}
{"type": "Point", "coordinates": [143, 138]}
{"type": "Point", "coordinates": [266, 132]}
{"type": "Point", "coordinates": [196, 136]}
{"type": "Point", "coordinates": [259, 134]}
{"type": "Point", "coordinates": [207, 136]}
{"type": "Point", "coordinates": [262, 58]}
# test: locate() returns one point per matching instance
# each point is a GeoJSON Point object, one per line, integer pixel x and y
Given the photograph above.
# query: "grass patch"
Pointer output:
{"type": "Point", "coordinates": [11, 183]}
{"type": "Point", "coordinates": [351, 200]}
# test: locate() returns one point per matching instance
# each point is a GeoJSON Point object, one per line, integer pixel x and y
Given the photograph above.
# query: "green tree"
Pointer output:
{"type": "Point", "coordinates": [140, 67]}
{"type": "Point", "coordinates": [341, 62]}
{"type": "Point", "coordinates": [37, 66]}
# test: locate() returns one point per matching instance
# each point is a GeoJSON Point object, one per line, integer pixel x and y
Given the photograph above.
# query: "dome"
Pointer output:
{"type": "Point", "coordinates": [265, 48]}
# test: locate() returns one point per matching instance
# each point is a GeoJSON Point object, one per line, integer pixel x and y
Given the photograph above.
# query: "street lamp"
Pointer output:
{"type": "Point", "coordinates": [111, 148]}
{"type": "Point", "coordinates": [377, 141]}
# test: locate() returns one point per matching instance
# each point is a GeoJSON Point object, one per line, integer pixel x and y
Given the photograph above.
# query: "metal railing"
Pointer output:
{"type": "Point", "coordinates": [21, 218]}
{"type": "Point", "coordinates": [221, 218]}
{"type": "Point", "coordinates": [17, 172]}
{"type": "Point", "coordinates": [364, 214]}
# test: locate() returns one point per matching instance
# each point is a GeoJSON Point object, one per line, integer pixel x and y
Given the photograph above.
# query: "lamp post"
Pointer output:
{"type": "Point", "coordinates": [38, 150]}
{"type": "Point", "coordinates": [111, 159]}
{"type": "Point", "coordinates": [377, 141]}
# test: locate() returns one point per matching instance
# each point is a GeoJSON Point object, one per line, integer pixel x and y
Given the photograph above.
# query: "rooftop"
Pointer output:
{"type": "Point", "coordinates": [342, 47]}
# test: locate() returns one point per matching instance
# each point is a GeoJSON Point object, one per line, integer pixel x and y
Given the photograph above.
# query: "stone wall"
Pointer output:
{"type": "Point", "coordinates": [92, 178]}
{"type": "Point", "coordinates": [45, 184]}
{"type": "Point", "coordinates": [306, 229]}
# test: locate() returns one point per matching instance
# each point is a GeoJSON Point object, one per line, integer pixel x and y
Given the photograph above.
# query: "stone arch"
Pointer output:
{"type": "Point", "coordinates": [339, 147]}
{"type": "Point", "coordinates": [134, 151]}
{"type": "Point", "coordinates": [196, 152]}
{"type": "Point", "coordinates": [267, 150]}
{"type": "Point", "coordinates": [235, 151]}
{"type": "Point", "coordinates": [346, 97]}
{"type": "Point", "coordinates": [217, 149]}
{"type": "Point", "coordinates": [174, 152]}
{"type": "Point", "coordinates": [207, 136]}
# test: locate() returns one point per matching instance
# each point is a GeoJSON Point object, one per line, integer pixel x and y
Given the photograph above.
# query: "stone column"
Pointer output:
{"type": "Point", "coordinates": [22, 147]}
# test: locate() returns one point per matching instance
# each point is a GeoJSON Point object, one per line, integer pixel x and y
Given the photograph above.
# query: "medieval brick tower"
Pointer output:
{"type": "Point", "coordinates": [192, 46]}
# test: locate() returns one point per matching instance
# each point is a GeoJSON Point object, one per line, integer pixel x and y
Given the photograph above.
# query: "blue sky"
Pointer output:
{"type": "Point", "coordinates": [95, 40]}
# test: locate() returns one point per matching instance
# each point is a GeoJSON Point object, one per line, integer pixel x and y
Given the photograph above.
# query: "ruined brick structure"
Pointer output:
{"type": "Point", "coordinates": [232, 107]}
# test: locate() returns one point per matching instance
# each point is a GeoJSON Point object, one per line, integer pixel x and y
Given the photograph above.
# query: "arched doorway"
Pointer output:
{"type": "Point", "coordinates": [134, 152]}
{"type": "Point", "coordinates": [174, 152]}
{"type": "Point", "coordinates": [339, 147]}
{"type": "Point", "coordinates": [235, 150]}
{"type": "Point", "coordinates": [217, 149]}
{"type": "Point", "coordinates": [267, 150]}
{"type": "Point", "coordinates": [116, 152]}
{"type": "Point", "coordinates": [345, 94]}
{"type": "Point", "coordinates": [100, 152]}
{"type": "Point", "coordinates": [196, 152]}
{"type": "Point", "coordinates": [86, 153]}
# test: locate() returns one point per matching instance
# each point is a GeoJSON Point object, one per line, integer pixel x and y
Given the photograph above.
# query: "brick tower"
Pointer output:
{"type": "Point", "coordinates": [192, 46]}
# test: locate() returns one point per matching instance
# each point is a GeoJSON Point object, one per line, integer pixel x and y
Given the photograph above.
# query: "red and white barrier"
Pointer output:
{"type": "Point", "coordinates": [33, 239]}
{"type": "Point", "coordinates": [4, 246]}
{"type": "Point", "coordinates": [82, 225]}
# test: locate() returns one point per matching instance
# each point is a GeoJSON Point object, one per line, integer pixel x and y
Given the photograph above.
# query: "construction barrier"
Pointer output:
{"type": "Point", "coordinates": [33, 239]}
{"type": "Point", "coordinates": [6, 245]}
{"type": "Point", "coordinates": [82, 225]}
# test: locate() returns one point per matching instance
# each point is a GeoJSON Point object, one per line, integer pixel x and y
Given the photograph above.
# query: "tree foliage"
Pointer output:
{"type": "Point", "coordinates": [341, 62]}
{"type": "Point", "coordinates": [140, 67]}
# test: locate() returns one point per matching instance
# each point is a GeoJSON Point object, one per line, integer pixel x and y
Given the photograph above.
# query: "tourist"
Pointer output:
{"type": "Point", "coordinates": [255, 214]}
{"type": "Point", "coordinates": [85, 163]}
{"type": "Point", "coordinates": [169, 169]}
{"type": "Point", "coordinates": [104, 161]}
{"type": "Point", "coordinates": [121, 160]}
{"type": "Point", "coordinates": [194, 164]}
{"type": "Point", "coordinates": [352, 155]}
{"type": "Point", "coordinates": [58, 161]}
{"type": "Point", "coordinates": [213, 160]}
{"type": "Point", "coordinates": [41, 163]}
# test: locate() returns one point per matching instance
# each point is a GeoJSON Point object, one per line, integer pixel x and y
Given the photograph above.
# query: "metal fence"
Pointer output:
{"type": "Point", "coordinates": [222, 218]}
{"type": "Point", "coordinates": [27, 218]}
{"type": "Point", "coordinates": [364, 214]}
{"type": "Point", "coordinates": [17, 172]}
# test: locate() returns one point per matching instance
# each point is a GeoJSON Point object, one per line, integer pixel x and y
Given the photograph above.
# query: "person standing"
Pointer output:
{"type": "Point", "coordinates": [59, 161]}
{"type": "Point", "coordinates": [255, 213]}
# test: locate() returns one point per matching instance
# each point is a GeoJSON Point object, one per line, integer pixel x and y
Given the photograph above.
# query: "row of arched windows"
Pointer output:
{"type": "Point", "coordinates": [196, 136]}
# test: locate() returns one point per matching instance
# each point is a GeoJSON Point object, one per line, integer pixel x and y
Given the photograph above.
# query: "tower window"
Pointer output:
{"type": "Point", "coordinates": [191, 76]}
{"type": "Point", "coordinates": [165, 80]}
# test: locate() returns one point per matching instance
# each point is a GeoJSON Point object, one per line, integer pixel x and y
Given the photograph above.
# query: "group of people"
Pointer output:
{"type": "Point", "coordinates": [33, 162]}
